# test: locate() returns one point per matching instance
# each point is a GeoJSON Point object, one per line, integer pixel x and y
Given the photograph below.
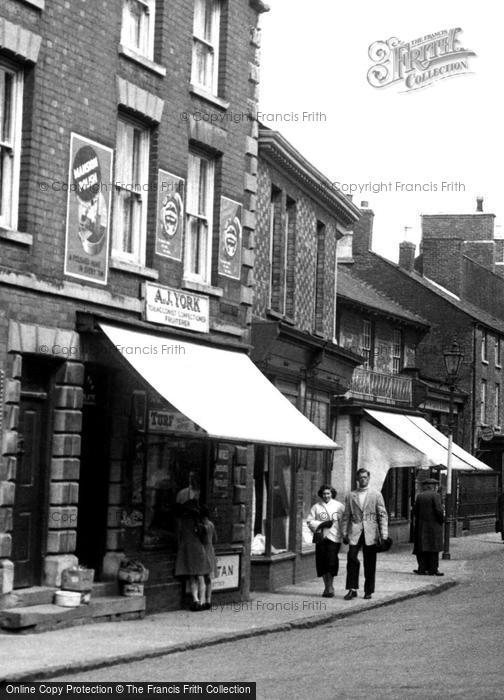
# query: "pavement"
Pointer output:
{"type": "Point", "coordinates": [32, 657]}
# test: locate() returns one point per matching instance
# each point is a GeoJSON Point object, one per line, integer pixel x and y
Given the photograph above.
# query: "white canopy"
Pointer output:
{"type": "Point", "coordinates": [222, 391]}
{"type": "Point", "coordinates": [427, 440]}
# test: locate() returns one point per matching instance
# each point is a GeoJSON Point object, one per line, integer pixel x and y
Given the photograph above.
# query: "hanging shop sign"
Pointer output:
{"type": "Point", "coordinates": [88, 210]}
{"type": "Point", "coordinates": [174, 307]}
{"type": "Point", "coordinates": [227, 574]}
{"type": "Point", "coordinates": [230, 238]}
{"type": "Point", "coordinates": [171, 421]}
{"type": "Point", "coordinates": [170, 222]}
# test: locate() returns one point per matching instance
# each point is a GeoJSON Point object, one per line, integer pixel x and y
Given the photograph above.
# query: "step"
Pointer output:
{"type": "Point", "coordinates": [23, 597]}
{"type": "Point", "coordinates": [39, 618]}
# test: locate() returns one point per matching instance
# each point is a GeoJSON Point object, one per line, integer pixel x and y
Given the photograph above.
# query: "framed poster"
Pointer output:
{"type": "Point", "coordinates": [170, 219]}
{"type": "Point", "coordinates": [88, 210]}
{"type": "Point", "coordinates": [230, 238]}
{"type": "Point", "coordinates": [227, 575]}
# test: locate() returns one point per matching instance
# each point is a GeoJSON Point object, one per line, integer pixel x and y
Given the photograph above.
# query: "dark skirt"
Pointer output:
{"type": "Point", "coordinates": [326, 557]}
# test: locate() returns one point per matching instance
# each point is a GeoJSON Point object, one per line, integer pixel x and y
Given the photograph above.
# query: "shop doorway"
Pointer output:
{"type": "Point", "coordinates": [94, 473]}
{"type": "Point", "coordinates": [29, 504]}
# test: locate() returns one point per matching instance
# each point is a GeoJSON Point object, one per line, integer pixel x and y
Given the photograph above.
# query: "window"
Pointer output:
{"type": "Point", "coordinates": [130, 194]}
{"type": "Point", "coordinates": [200, 200]}
{"type": "Point", "coordinates": [396, 492]}
{"type": "Point", "coordinates": [367, 344]}
{"type": "Point", "coordinates": [205, 61]}
{"type": "Point", "coordinates": [289, 257]}
{"type": "Point", "coordinates": [484, 346]}
{"type": "Point", "coordinates": [320, 278]}
{"type": "Point", "coordinates": [497, 405]}
{"type": "Point", "coordinates": [498, 357]}
{"type": "Point", "coordinates": [272, 500]}
{"type": "Point", "coordinates": [275, 253]}
{"type": "Point", "coordinates": [397, 351]}
{"type": "Point", "coordinates": [483, 402]}
{"type": "Point", "coordinates": [11, 86]}
{"type": "Point", "coordinates": [138, 26]}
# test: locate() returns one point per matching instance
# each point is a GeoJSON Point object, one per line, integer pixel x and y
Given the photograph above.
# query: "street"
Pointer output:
{"type": "Point", "coordinates": [447, 645]}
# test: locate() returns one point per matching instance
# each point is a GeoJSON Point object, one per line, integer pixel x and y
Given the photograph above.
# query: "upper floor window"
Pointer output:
{"type": "Point", "coordinates": [137, 31]}
{"type": "Point", "coordinates": [320, 277]}
{"type": "Point", "coordinates": [289, 257]}
{"type": "Point", "coordinates": [397, 351]}
{"type": "Point", "coordinates": [484, 346]}
{"type": "Point", "coordinates": [483, 395]}
{"type": "Point", "coordinates": [11, 91]}
{"type": "Point", "coordinates": [498, 351]}
{"type": "Point", "coordinates": [497, 405]}
{"type": "Point", "coordinates": [200, 201]}
{"type": "Point", "coordinates": [367, 343]}
{"type": "Point", "coordinates": [205, 60]}
{"type": "Point", "coordinates": [130, 193]}
{"type": "Point", "coordinates": [276, 266]}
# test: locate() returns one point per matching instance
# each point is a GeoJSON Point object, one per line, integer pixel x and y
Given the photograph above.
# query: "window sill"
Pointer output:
{"type": "Point", "coordinates": [498, 366]}
{"type": "Point", "coordinates": [16, 236]}
{"type": "Point", "coordinates": [133, 269]}
{"type": "Point", "coordinates": [263, 559]}
{"type": "Point", "coordinates": [209, 97]}
{"type": "Point", "coordinates": [142, 60]}
{"type": "Point", "coordinates": [484, 362]}
{"type": "Point", "coordinates": [194, 286]}
{"type": "Point", "coordinates": [274, 314]}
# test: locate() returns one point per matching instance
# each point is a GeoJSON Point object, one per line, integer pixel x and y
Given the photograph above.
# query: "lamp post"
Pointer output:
{"type": "Point", "coordinates": [453, 357]}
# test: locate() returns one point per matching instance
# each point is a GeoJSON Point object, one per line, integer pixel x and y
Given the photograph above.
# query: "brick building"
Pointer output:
{"type": "Point", "coordinates": [127, 236]}
{"type": "Point", "coordinates": [299, 220]}
{"type": "Point", "coordinates": [438, 285]}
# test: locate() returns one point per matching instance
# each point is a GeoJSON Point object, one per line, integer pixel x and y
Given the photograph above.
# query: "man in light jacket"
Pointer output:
{"type": "Point", "coordinates": [365, 522]}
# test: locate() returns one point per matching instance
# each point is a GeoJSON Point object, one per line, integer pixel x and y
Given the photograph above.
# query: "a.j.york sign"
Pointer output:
{"type": "Point", "coordinates": [174, 307]}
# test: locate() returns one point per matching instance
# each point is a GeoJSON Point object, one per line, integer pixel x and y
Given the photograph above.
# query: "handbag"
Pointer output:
{"type": "Point", "coordinates": [318, 535]}
{"type": "Point", "coordinates": [383, 545]}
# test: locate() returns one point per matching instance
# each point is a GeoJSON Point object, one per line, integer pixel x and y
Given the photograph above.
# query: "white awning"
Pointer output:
{"type": "Point", "coordinates": [221, 391]}
{"type": "Point", "coordinates": [430, 442]}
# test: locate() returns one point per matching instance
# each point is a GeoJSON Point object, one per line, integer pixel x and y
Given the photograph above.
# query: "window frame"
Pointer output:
{"type": "Point", "coordinates": [397, 350]}
{"type": "Point", "coordinates": [9, 193]}
{"type": "Point", "coordinates": [212, 44]}
{"type": "Point", "coordinates": [141, 193]}
{"type": "Point", "coordinates": [367, 350]}
{"type": "Point", "coordinates": [497, 405]}
{"type": "Point", "coordinates": [207, 218]}
{"type": "Point", "coordinates": [483, 397]}
{"type": "Point", "coordinates": [484, 346]}
{"type": "Point", "coordinates": [146, 48]}
{"type": "Point", "coordinates": [498, 351]}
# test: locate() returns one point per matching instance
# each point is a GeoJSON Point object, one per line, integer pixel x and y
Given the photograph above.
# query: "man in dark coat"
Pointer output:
{"type": "Point", "coordinates": [429, 519]}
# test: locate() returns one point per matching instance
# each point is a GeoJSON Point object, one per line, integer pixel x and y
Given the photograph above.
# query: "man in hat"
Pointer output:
{"type": "Point", "coordinates": [428, 538]}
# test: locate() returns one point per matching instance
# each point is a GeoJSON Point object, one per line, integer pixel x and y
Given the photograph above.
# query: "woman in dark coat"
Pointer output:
{"type": "Point", "coordinates": [429, 519]}
{"type": "Point", "coordinates": [192, 559]}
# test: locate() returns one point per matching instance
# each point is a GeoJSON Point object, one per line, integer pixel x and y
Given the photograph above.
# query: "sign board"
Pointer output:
{"type": "Point", "coordinates": [88, 210]}
{"type": "Point", "coordinates": [486, 433]}
{"type": "Point", "coordinates": [171, 421]}
{"type": "Point", "coordinates": [230, 238]}
{"type": "Point", "coordinates": [170, 222]}
{"type": "Point", "coordinates": [174, 307]}
{"type": "Point", "coordinates": [227, 575]}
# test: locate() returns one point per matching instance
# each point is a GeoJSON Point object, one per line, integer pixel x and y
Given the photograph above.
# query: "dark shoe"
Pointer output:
{"type": "Point", "coordinates": [351, 594]}
{"type": "Point", "coordinates": [194, 607]}
{"type": "Point", "coordinates": [420, 573]}
{"type": "Point", "coordinates": [435, 573]}
{"type": "Point", "coordinates": [205, 606]}
{"type": "Point", "coordinates": [368, 596]}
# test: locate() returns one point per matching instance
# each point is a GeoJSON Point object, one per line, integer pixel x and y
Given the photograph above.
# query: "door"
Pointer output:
{"type": "Point", "coordinates": [29, 500]}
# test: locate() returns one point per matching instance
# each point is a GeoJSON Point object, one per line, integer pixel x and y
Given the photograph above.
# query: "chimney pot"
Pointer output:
{"type": "Point", "coordinates": [479, 204]}
{"type": "Point", "coordinates": [364, 205]}
{"type": "Point", "coordinates": [350, 197]}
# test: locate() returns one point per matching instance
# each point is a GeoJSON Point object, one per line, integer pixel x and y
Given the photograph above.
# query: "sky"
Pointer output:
{"type": "Point", "coordinates": [446, 139]}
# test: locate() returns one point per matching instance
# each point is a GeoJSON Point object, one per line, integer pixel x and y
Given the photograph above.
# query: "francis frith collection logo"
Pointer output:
{"type": "Point", "coordinates": [418, 63]}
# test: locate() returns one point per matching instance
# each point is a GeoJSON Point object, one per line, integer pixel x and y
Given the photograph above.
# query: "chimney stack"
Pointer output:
{"type": "Point", "coordinates": [407, 256]}
{"type": "Point", "coordinates": [479, 204]}
{"type": "Point", "coordinates": [363, 231]}
{"type": "Point", "coordinates": [364, 205]}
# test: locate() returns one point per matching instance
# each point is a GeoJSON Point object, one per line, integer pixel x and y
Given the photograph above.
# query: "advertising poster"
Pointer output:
{"type": "Point", "coordinates": [88, 210]}
{"type": "Point", "coordinates": [230, 238]}
{"type": "Point", "coordinates": [170, 220]}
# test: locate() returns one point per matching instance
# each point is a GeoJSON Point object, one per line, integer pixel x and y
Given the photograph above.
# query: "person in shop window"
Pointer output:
{"type": "Point", "coordinates": [325, 516]}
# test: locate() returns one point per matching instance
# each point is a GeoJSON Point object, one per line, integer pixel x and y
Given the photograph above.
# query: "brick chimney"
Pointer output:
{"type": "Point", "coordinates": [407, 255]}
{"type": "Point", "coordinates": [479, 204]}
{"type": "Point", "coordinates": [363, 231]}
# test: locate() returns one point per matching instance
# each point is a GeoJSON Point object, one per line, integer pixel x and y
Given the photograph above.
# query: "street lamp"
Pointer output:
{"type": "Point", "coordinates": [453, 357]}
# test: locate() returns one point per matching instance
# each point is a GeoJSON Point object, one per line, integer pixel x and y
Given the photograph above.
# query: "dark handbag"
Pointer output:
{"type": "Point", "coordinates": [383, 545]}
{"type": "Point", "coordinates": [318, 536]}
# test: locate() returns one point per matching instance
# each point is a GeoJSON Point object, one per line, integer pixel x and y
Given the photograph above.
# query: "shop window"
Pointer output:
{"type": "Point", "coordinates": [130, 192]}
{"type": "Point", "coordinates": [200, 200]}
{"type": "Point", "coordinates": [206, 31]}
{"type": "Point", "coordinates": [11, 91]}
{"type": "Point", "coordinates": [396, 492]}
{"type": "Point", "coordinates": [137, 32]}
{"type": "Point", "coordinates": [272, 500]}
{"type": "Point", "coordinates": [314, 465]}
{"type": "Point", "coordinates": [320, 278]}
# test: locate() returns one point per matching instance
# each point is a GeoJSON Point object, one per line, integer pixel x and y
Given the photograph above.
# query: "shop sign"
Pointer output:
{"type": "Point", "coordinates": [227, 574]}
{"type": "Point", "coordinates": [171, 421]}
{"type": "Point", "coordinates": [174, 307]}
{"type": "Point", "coordinates": [170, 223]}
{"type": "Point", "coordinates": [230, 238]}
{"type": "Point", "coordinates": [88, 210]}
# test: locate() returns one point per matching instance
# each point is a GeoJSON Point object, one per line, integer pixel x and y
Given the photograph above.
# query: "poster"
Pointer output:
{"type": "Point", "coordinates": [170, 219]}
{"type": "Point", "coordinates": [230, 238]}
{"type": "Point", "coordinates": [88, 210]}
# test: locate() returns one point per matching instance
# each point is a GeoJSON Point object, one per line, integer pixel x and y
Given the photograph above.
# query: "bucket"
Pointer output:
{"type": "Point", "coordinates": [67, 599]}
